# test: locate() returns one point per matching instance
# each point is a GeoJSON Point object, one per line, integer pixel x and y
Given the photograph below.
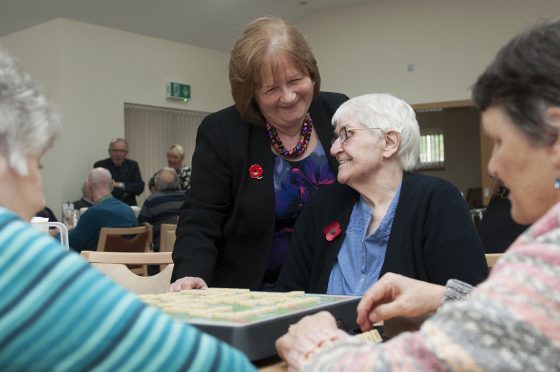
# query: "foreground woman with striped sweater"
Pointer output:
{"type": "Point", "coordinates": [56, 312]}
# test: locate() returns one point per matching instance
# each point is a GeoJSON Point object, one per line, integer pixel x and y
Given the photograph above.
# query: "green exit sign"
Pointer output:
{"type": "Point", "coordinates": [179, 91]}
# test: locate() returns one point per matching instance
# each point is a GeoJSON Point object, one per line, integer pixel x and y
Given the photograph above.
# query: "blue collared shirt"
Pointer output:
{"type": "Point", "coordinates": [361, 257]}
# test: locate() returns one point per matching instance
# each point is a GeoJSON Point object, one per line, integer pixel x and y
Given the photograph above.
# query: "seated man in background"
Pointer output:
{"type": "Point", "coordinates": [85, 200]}
{"type": "Point", "coordinates": [107, 211]}
{"type": "Point", "coordinates": [164, 204]}
{"type": "Point", "coordinates": [127, 179]}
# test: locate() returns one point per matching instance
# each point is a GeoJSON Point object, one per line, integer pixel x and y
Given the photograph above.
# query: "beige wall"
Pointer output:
{"type": "Point", "coordinates": [90, 72]}
{"type": "Point", "coordinates": [366, 48]}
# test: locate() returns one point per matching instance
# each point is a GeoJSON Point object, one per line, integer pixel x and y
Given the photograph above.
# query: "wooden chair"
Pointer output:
{"type": "Point", "coordinates": [127, 239]}
{"type": "Point", "coordinates": [491, 259]}
{"type": "Point", "coordinates": [113, 265]}
{"type": "Point", "coordinates": [167, 237]}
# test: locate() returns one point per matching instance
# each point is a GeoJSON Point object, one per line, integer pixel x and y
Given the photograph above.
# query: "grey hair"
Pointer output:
{"type": "Point", "coordinates": [115, 140]}
{"type": "Point", "coordinates": [28, 124]}
{"type": "Point", "coordinates": [163, 185]}
{"type": "Point", "coordinates": [100, 177]}
{"type": "Point", "coordinates": [388, 113]}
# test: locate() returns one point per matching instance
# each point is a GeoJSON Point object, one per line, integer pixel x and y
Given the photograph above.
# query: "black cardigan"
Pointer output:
{"type": "Point", "coordinates": [432, 237]}
{"type": "Point", "coordinates": [227, 222]}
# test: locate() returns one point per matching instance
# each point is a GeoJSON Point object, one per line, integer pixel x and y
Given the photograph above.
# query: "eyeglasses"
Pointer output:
{"type": "Point", "coordinates": [118, 151]}
{"type": "Point", "coordinates": [343, 133]}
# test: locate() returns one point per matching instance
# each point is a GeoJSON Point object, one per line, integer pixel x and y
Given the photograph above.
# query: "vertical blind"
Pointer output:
{"type": "Point", "coordinates": [151, 130]}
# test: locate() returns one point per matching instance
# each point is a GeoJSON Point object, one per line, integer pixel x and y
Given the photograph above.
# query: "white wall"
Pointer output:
{"type": "Point", "coordinates": [366, 48]}
{"type": "Point", "coordinates": [90, 72]}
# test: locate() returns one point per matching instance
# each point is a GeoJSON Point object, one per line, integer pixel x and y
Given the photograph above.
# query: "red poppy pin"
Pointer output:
{"type": "Point", "coordinates": [332, 230]}
{"type": "Point", "coordinates": [255, 171]}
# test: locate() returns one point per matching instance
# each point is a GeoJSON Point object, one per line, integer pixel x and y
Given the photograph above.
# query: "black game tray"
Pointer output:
{"type": "Point", "coordinates": [251, 321]}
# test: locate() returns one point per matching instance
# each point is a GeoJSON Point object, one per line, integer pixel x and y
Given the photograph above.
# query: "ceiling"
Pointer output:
{"type": "Point", "coordinates": [211, 24]}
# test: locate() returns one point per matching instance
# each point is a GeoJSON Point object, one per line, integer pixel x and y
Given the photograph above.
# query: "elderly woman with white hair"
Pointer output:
{"type": "Point", "coordinates": [56, 311]}
{"type": "Point", "coordinates": [381, 217]}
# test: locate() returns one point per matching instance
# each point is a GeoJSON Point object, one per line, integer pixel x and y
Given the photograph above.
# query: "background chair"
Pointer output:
{"type": "Point", "coordinates": [113, 265]}
{"type": "Point", "coordinates": [127, 239]}
{"type": "Point", "coordinates": [167, 237]}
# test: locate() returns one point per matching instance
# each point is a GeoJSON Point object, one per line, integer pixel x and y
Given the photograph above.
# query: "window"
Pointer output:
{"type": "Point", "coordinates": [432, 150]}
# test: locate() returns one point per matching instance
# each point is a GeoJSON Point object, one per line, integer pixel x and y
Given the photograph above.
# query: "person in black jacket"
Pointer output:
{"type": "Point", "coordinates": [381, 218]}
{"type": "Point", "coordinates": [497, 229]}
{"type": "Point", "coordinates": [127, 180]}
{"type": "Point", "coordinates": [255, 164]}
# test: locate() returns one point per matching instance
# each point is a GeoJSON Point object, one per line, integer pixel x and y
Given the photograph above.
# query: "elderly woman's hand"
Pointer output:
{"type": "Point", "coordinates": [188, 282]}
{"type": "Point", "coordinates": [396, 295]}
{"type": "Point", "coordinates": [307, 325]}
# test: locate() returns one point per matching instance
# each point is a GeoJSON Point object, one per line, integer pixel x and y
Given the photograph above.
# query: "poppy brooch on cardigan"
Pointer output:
{"type": "Point", "coordinates": [255, 171]}
{"type": "Point", "coordinates": [332, 230]}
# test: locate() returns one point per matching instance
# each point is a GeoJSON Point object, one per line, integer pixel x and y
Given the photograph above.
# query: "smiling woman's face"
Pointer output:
{"type": "Point", "coordinates": [285, 95]}
{"type": "Point", "coordinates": [525, 168]}
{"type": "Point", "coordinates": [360, 156]}
{"type": "Point", "coordinates": [22, 195]}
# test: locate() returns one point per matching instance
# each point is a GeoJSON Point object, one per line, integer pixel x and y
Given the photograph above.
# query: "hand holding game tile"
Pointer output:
{"type": "Point", "coordinates": [396, 295]}
{"type": "Point", "coordinates": [188, 282]}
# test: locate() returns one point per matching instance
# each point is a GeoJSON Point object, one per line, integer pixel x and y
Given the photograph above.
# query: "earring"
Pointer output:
{"type": "Point", "coordinates": [557, 183]}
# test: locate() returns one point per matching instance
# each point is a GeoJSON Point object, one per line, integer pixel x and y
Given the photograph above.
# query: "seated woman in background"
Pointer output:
{"type": "Point", "coordinates": [381, 218]}
{"type": "Point", "coordinates": [175, 157]}
{"type": "Point", "coordinates": [511, 322]}
{"type": "Point", "coordinates": [497, 229]}
{"type": "Point", "coordinates": [57, 312]}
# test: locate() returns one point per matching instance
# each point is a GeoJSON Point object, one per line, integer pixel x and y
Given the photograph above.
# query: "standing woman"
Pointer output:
{"type": "Point", "coordinates": [256, 163]}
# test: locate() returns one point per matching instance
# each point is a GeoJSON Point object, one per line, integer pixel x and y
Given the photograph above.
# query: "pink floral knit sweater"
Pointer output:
{"type": "Point", "coordinates": [510, 322]}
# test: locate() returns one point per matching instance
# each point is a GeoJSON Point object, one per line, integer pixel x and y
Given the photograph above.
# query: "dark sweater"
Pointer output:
{"type": "Point", "coordinates": [432, 237]}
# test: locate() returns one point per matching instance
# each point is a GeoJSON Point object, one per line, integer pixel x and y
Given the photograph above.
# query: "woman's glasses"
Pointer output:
{"type": "Point", "coordinates": [343, 133]}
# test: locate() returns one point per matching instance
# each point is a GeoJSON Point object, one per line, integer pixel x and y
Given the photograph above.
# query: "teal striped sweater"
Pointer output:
{"type": "Point", "coordinates": [57, 313]}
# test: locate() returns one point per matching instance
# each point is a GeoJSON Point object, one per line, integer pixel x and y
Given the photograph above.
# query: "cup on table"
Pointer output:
{"type": "Point", "coordinates": [70, 217]}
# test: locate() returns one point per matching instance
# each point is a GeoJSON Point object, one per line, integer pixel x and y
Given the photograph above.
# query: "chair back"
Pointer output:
{"type": "Point", "coordinates": [491, 259]}
{"type": "Point", "coordinates": [167, 237]}
{"type": "Point", "coordinates": [125, 239]}
{"type": "Point", "coordinates": [113, 265]}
